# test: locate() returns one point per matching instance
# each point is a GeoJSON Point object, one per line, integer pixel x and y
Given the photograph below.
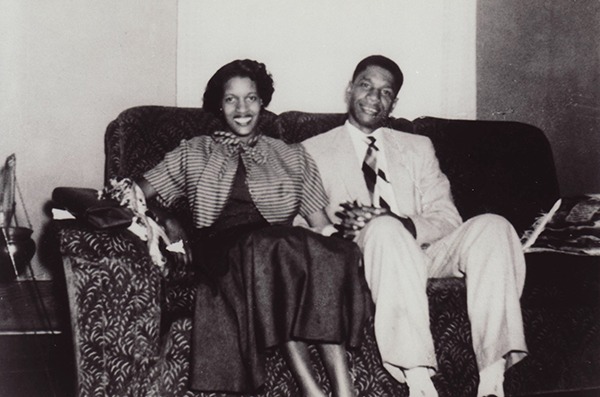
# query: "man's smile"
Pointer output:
{"type": "Point", "coordinates": [370, 110]}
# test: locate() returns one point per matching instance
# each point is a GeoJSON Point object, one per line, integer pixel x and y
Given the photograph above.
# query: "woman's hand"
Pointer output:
{"type": "Point", "coordinates": [176, 232]}
{"type": "Point", "coordinates": [319, 222]}
{"type": "Point", "coordinates": [173, 228]}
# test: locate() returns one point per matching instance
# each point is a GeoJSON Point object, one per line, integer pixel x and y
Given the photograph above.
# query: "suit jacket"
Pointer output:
{"type": "Point", "coordinates": [421, 190]}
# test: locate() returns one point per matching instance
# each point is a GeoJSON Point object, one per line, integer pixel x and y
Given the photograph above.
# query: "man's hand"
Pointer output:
{"type": "Point", "coordinates": [355, 216]}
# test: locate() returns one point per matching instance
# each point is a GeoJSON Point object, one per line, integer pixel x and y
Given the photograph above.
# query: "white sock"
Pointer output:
{"type": "Point", "coordinates": [491, 379]}
{"type": "Point", "coordinates": [419, 383]}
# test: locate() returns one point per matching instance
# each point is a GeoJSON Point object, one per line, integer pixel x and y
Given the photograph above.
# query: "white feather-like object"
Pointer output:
{"type": "Point", "coordinates": [530, 236]}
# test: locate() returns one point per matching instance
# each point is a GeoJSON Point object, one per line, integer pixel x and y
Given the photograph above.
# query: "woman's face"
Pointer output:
{"type": "Point", "coordinates": [241, 106]}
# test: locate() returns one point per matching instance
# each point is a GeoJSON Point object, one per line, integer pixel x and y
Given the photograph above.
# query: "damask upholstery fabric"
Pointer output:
{"type": "Point", "coordinates": [123, 350]}
{"type": "Point", "coordinates": [131, 324]}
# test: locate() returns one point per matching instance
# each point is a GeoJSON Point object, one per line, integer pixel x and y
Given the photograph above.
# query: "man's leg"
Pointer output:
{"type": "Point", "coordinates": [487, 251]}
{"type": "Point", "coordinates": [396, 272]}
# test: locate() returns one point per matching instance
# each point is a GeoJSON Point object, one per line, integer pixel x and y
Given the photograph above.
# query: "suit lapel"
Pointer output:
{"type": "Point", "coordinates": [400, 170]}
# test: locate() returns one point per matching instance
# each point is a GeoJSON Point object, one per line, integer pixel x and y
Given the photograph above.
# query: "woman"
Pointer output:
{"type": "Point", "coordinates": [263, 282]}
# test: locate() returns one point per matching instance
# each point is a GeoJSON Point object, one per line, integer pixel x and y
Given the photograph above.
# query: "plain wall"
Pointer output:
{"type": "Point", "coordinates": [538, 62]}
{"type": "Point", "coordinates": [311, 47]}
{"type": "Point", "coordinates": [67, 68]}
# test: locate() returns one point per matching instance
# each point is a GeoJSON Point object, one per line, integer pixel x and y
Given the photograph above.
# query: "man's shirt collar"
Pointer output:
{"type": "Point", "coordinates": [355, 133]}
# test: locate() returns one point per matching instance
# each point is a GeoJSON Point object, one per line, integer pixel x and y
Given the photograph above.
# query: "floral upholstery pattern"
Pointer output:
{"type": "Point", "coordinates": [131, 324]}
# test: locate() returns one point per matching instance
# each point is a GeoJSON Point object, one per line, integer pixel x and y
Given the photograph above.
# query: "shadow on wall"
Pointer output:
{"type": "Point", "coordinates": [538, 63]}
{"type": "Point", "coordinates": [48, 251]}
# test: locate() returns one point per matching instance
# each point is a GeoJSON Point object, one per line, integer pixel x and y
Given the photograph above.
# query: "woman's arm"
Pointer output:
{"type": "Point", "coordinates": [319, 222]}
{"type": "Point", "coordinates": [147, 188]}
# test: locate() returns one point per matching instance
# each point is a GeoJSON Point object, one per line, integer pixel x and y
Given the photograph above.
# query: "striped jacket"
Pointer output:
{"type": "Point", "coordinates": [286, 184]}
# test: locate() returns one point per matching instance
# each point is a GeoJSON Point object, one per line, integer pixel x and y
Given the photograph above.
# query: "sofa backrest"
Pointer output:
{"type": "Point", "coordinates": [497, 167]}
{"type": "Point", "coordinates": [500, 167]}
{"type": "Point", "coordinates": [140, 137]}
{"type": "Point", "coordinates": [295, 126]}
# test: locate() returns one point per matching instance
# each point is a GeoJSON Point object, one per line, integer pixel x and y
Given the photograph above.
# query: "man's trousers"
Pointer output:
{"type": "Point", "coordinates": [485, 250]}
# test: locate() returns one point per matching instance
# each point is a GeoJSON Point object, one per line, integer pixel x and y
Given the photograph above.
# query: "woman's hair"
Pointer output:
{"type": "Point", "coordinates": [255, 71]}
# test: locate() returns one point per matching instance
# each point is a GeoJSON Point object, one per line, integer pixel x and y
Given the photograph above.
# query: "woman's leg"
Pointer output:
{"type": "Point", "coordinates": [297, 355]}
{"type": "Point", "coordinates": [336, 364]}
{"type": "Point", "coordinates": [334, 360]}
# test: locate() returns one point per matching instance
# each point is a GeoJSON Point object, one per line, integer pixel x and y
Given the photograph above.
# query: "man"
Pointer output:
{"type": "Point", "coordinates": [409, 230]}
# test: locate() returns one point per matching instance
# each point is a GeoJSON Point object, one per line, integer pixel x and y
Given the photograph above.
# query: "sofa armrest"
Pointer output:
{"type": "Point", "coordinates": [114, 293]}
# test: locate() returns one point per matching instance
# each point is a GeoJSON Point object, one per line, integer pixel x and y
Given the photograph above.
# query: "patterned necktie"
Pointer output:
{"type": "Point", "coordinates": [372, 174]}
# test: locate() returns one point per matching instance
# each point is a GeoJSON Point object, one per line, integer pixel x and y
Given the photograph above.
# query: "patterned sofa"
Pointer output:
{"type": "Point", "coordinates": [131, 325]}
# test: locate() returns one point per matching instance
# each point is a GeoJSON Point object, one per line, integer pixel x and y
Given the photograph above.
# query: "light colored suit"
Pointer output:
{"type": "Point", "coordinates": [486, 249]}
{"type": "Point", "coordinates": [422, 191]}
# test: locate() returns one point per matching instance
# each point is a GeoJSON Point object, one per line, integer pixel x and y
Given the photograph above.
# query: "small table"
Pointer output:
{"type": "Point", "coordinates": [37, 357]}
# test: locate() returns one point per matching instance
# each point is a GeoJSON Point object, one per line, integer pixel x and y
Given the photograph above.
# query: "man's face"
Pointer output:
{"type": "Point", "coordinates": [370, 98]}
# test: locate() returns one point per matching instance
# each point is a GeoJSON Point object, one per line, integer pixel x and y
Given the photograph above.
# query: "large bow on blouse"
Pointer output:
{"type": "Point", "coordinates": [235, 145]}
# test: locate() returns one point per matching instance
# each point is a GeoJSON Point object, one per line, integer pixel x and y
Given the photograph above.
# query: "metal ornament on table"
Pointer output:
{"type": "Point", "coordinates": [16, 246]}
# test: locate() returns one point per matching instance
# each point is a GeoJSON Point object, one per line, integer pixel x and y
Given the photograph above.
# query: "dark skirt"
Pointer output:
{"type": "Point", "coordinates": [267, 287]}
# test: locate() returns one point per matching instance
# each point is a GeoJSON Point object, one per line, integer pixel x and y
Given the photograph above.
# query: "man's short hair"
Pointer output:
{"type": "Point", "coordinates": [382, 62]}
